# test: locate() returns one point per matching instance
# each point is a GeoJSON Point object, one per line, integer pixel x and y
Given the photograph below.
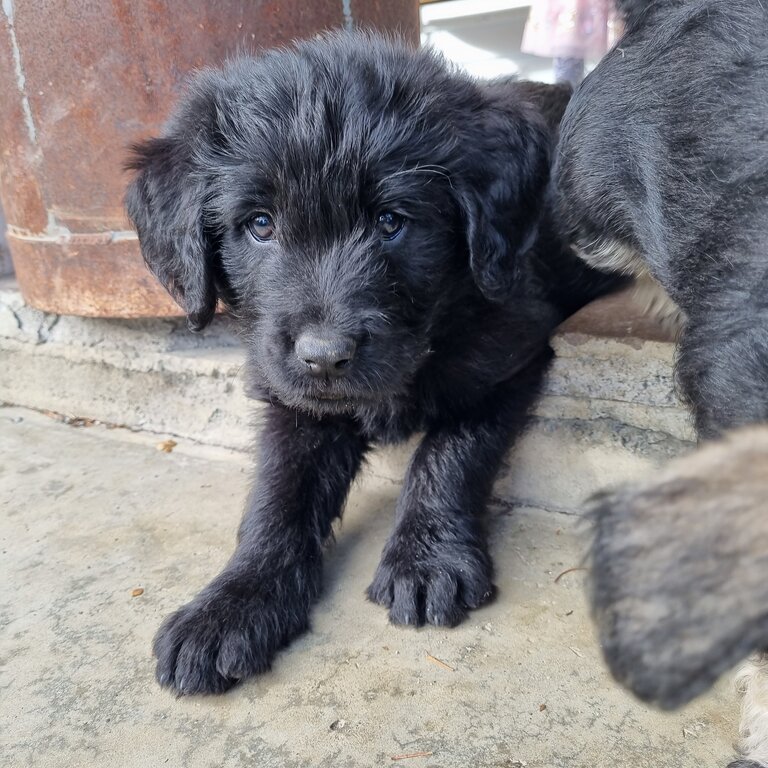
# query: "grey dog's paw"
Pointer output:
{"type": "Point", "coordinates": [436, 587]}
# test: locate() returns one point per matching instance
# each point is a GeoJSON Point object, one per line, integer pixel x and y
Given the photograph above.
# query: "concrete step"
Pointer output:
{"type": "Point", "coordinates": [608, 411]}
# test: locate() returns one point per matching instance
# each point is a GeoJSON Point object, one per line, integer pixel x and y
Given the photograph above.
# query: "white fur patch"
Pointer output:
{"type": "Point", "coordinates": [752, 683]}
{"type": "Point", "coordinates": [611, 255]}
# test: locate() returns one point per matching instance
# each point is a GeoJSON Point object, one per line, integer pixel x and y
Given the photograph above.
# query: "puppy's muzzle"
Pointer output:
{"type": "Point", "coordinates": [324, 353]}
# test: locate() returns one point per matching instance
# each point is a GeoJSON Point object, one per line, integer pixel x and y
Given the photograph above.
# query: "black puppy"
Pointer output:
{"type": "Point", "coordinates": [371, 218]}
{"type": "Point", "coordinates": [663, 169]}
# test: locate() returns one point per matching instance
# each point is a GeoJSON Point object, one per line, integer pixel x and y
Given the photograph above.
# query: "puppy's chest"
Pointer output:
{"type": "Point", "coordinates": [393, 422]}
{"type": "Point", "coordinates": [430, 404]}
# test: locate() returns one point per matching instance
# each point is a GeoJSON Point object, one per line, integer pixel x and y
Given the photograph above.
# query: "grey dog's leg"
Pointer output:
{"type": "Point", "coordinates": [723, 354]}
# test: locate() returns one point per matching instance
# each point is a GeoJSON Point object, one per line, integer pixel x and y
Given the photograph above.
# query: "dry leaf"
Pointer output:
{"type": "Point", "coordinates": [439, 663]}
{"type": "Point", "coordinates": [410, 755]}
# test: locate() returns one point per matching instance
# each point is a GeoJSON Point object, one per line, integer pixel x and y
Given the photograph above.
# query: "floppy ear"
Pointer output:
{"type": "Point", "coordinates": [166, 202]}
{"type": "Point", "coordinates": [501, 191]}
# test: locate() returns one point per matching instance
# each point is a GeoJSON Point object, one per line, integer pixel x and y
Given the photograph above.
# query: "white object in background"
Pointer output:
{"type": "Point", "coordinates": [455, 9]}
{"type": "Point", "coordinates": [483, 37]}
{"type": "Point", "coordinates": [477, 61]}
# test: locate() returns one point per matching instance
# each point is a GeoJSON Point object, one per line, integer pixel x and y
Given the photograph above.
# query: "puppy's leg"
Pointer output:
{"type": "Point", "coordinates": [436, 565]}
{"type": "Point", "coordinates": [261, 600]}
{"type": "Point", "coordinates": [723, 361]}
{"type": "Point", "coordinates": [752, 682]}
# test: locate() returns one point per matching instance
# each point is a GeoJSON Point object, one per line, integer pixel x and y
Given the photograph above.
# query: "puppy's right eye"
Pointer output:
{"type": "Point", "coordinates": [261, 227]}
{"type": "Point", "coordinates": [389, 224]}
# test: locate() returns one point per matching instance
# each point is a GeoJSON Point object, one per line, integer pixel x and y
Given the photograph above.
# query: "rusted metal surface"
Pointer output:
{"type": "Point", "coordinates": [80, 81]}
{"type": "Point", "coordinates": [401, 16]}
{"type": "Point", "coordinates": [90, 280]}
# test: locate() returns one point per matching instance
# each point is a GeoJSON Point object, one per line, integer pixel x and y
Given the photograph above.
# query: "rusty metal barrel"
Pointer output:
{"type": "Point", "coordinates": [80, 81]}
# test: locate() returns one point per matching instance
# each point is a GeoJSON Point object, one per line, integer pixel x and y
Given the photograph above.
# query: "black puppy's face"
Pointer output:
{"type": "Point", "coordinates": [341, 197]}
{"type": "Point", "coordinates": [340, 256]}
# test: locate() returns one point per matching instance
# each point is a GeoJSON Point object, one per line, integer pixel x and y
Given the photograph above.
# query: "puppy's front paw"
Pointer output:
{"type": "Point", "coordinates": [433, 586]}
{"type": "Point", "coordinates": [227, 633]}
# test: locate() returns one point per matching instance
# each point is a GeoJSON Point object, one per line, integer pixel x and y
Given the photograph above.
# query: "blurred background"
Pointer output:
{"type": "Point", "coordinates": [483, 36]}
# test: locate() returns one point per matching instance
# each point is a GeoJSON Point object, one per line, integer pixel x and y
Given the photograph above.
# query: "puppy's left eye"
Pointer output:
{"type": "Point", "coordinates": [261, 227]}
{"type": "Point", "coordinates": [389, 224]}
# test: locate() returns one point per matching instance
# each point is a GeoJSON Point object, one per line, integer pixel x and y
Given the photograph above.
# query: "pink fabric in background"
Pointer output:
{"type": "Point", "coordinates": [578, 29]}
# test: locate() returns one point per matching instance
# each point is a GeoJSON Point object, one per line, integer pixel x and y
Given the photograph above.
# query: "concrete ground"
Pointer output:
{"type": "Point", "coordinates": [89, 515]}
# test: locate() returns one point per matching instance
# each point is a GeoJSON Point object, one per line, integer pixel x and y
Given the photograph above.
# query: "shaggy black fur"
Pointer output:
{"type": "Point", "coordinates": [376, 223]}
{"type": "Point", "coordinates": [663, 165]}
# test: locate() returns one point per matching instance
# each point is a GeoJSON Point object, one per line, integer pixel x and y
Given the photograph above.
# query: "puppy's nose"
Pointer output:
{"type": "Point", "coordinates": [325, 354]}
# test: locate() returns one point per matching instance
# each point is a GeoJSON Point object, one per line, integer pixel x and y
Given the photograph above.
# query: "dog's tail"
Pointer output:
{"type": "Point", "coordinates": [680, 570]}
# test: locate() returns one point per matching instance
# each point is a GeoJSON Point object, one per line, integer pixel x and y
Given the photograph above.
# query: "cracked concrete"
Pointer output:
{"type": "Point", "coordinates": [87, 515]}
